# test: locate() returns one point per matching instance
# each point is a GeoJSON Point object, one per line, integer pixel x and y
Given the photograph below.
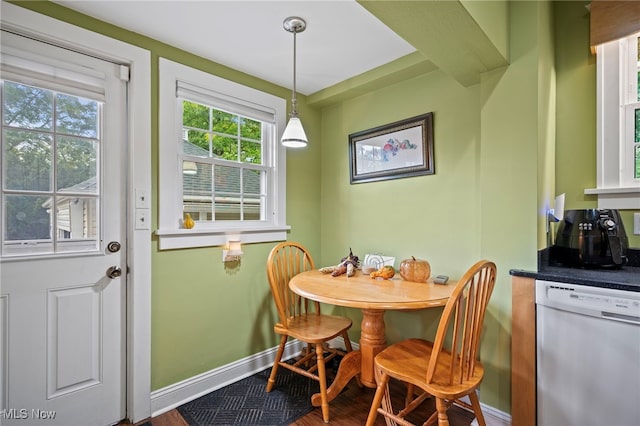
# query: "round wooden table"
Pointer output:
{"type": "Point", "coordinates": [373, 297]}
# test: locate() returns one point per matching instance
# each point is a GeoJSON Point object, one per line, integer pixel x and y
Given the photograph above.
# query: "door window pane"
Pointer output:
{"type": "Point", "coordinates": [76, 223]}
{"type": "Point", "coordinates": [27, 107]}
{"type": "Point", "coordinates": [76, 116]}
{"type": "Point", "coordinates": [76, 161]}
{"type": "Point", "coordinates": [38, 216]}
{"type": "Point", "coordinates": [28, 217]}
{"type": "Point", "coordinates": [27, 160]}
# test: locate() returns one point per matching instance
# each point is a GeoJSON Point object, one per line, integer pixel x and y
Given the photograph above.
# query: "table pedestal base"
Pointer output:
{"type": "Point", "coordinates": [349, 368]}
{"type": "Point", "coordinates": [372, 341]}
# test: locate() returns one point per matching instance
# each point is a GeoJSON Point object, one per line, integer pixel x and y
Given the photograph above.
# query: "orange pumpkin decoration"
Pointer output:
{"type": "Point", "coordinates": [415, 270]}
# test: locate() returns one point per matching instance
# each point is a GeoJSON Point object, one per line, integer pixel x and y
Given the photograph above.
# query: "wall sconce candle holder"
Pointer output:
{"type": "Point", "coordinates": [232, 252]}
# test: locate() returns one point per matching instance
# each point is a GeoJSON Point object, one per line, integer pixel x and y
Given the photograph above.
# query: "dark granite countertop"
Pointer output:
{"type": "Point", "coordinates": [626, 278]}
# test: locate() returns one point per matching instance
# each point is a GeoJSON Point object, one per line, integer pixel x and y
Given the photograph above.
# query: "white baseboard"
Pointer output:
{"type": "Point", "coordinates": [172, 396]}
{"type": "Point", "coordinates": [493, 416]}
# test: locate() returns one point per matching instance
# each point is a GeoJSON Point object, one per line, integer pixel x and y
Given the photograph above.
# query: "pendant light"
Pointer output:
{"type": "Point", "coordinates": [294, 135]}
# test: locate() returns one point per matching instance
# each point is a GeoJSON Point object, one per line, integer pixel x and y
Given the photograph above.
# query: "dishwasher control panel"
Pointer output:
{"type": "Point", "coordinates": [607, 303]}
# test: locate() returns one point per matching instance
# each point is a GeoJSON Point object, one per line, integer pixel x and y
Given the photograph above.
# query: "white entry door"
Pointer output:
{"type": "Point", "coordinates": [63, 251]}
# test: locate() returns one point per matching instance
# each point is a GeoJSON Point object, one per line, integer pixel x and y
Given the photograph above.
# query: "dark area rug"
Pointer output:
{"type": "Point", "coordinates": [246, 402]}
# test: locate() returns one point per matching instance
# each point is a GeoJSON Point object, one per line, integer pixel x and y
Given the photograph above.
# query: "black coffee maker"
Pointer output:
{"type": "Point", "coordinates": [591, 238]}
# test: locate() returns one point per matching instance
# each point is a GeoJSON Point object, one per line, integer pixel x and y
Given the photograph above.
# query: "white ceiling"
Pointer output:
{"type": "Point", "coordinates": [342, 39]}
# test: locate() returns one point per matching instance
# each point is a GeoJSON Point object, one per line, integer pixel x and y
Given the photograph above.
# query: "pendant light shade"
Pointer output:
{"type": "Point", "coordinates": [294, 135]}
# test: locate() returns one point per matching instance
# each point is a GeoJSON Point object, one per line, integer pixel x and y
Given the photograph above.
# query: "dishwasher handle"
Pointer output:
{"type": "Point", "coordinates": [632, 319]}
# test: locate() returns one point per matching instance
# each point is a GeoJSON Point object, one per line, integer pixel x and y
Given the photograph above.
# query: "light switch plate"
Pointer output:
{"type": "Point", "coordinates": [143, 217]}
{"type": "Point", "coordinates": [142, 199]}
{"type": "Point", "coordinates": [636, 223]}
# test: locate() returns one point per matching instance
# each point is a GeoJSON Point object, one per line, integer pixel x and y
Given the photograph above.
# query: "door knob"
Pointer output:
{"type": "Point", "coordinates": [114, 272]}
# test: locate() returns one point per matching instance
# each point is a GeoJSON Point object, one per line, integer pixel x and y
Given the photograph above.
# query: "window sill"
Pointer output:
{"type": "Point", "coordinates": [170, 239]}
{"type": "Point", "coordinates": [616, 198]}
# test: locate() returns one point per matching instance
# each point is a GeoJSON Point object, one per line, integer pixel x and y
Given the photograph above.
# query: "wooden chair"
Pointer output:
{"type": "Point", "coordinates": [447, 368]}
{"type": "Point", "coordinates": [301, 319]}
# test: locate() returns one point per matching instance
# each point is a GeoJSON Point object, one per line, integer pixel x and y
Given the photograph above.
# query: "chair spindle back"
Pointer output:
{"type": "Point", "coordinates": [460, 326]}
{"type": "Point", "coordinates": [286, 260]}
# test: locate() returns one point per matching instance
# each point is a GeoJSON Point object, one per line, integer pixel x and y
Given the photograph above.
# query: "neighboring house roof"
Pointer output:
{"type": "Point", "coordinates": [192, 149]}
{"type": "Point", "coordinates": [227, 179]}
{"type": "Point", "coordinates": [88, 186]}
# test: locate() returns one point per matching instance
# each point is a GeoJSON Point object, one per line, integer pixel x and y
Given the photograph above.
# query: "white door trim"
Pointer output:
{"type": "Point", "coordinates": [139, 182]}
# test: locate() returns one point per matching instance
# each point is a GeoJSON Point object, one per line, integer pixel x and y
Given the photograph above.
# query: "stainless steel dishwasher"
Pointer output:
{"type": "Point", "coordinates": [588, 355]}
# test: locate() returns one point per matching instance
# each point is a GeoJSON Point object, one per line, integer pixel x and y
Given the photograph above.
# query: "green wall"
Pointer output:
{"type": "Point", "coordinates": [405, 217]}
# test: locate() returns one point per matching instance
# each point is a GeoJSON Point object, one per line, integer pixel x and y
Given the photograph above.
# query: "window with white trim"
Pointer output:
{"type": "Point", "coordinates": [220, 160]}
{"type": "Point", "coordinates": [618, 124]}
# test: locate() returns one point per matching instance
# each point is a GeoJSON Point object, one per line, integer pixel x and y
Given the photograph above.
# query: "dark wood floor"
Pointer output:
{"type": "Point", "coordinates": [350, 408]}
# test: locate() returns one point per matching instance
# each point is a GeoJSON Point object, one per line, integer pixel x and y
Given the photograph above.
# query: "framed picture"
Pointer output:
{"type": "Point", "coordinates": [393, 151]}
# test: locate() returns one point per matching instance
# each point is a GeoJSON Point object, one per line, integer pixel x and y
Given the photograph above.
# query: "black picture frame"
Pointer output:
{"type": "Point", "coordinates": [393, 151]}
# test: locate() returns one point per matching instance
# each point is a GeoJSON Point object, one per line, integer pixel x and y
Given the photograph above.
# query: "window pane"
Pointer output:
{"type": "Point", "coordinates": [251, 182]}
{"type": "Point", "coordinates": [224, 122]}
{"type": "Point", "coordinates": [27, 107]}
{"type": "Point", "coordinates": [252, 208]}
{"type": "Point", "coordinates": [197, 143]}
{"type": "Point", "coordinates": [227, 210]}
{"type": "Point", "coordinates": [251, 152]}
{"type": "Point", "coordinates": [225, 148]}
{"type": "Point", "coordinates": [637, 162]}
{"type": "Point", "coordinates": [227, 180]}
{"type": "Point", "coordinates": [196, 190]}
{"type": "Point", "coordinates": [27, 160]}
{"type": "Point", "coordinates": [196, 179]}
{"type": "Point", "coordinates": [637, 145]}
{"type": "Point", "coordinates": [76, 116]}
{"type": "Point", "coordinates": [76, 161]}
{"type": "Point", "coordinates": [251, 129]}
{"type": "Point", "coordinates": [195, 115]}
{"type": "Point", "coordinates": [27, 217]}
{"type": "Point", "coordinates": [637, 126]}
{"type": "Point", "coordinates": [638, 62]}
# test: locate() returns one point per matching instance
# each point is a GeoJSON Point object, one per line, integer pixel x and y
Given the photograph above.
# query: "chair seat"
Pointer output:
{"type": "Point", "coordinates": [314, 328]}
{"type": "Point", "coordinates": [408, 361]}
